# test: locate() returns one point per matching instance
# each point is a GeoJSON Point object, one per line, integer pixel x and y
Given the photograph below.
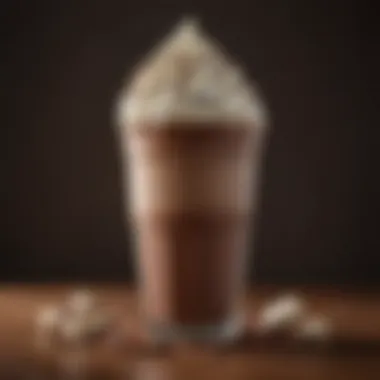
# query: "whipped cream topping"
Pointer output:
{"type": "Point", "coordinates": [188, 77]}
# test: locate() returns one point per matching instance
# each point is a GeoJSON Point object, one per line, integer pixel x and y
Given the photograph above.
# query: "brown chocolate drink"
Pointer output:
{"type": "Point", "coordinates": [191, 184]}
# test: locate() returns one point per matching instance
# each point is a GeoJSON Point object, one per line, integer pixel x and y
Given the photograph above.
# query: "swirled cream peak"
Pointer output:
{"type": "Point", "coordinates": [188, 77]}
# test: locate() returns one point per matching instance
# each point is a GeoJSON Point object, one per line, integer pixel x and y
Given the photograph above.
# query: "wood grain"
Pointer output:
{"type": "Point", "coordinates": [352, 353]}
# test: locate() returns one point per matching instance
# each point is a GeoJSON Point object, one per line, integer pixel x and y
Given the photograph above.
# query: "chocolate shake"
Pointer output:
{"type": "Point", "coordinates": [191, 131]}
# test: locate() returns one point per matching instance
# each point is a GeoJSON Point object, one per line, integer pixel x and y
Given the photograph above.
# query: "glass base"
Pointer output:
{"type": "Point", "coordinates": [225, 332]}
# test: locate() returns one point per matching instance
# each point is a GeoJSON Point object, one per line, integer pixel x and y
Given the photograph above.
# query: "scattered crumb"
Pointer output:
{"type": "Point", "coordinates": [75, 320]}
{"type": "Point", "coordinates": [82, 300]}
{"type": "Point", "coordinates": [71, 330]}
{"type": "Point", "coordinates": [78, 328]}
{"type": "Point", "coordinates": [282, 313]}
{"type": "Point", "coordinates": [47, 319]}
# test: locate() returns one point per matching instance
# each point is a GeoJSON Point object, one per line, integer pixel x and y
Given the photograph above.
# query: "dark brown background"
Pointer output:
{"type": "Point", "coordinates": [63, 62]}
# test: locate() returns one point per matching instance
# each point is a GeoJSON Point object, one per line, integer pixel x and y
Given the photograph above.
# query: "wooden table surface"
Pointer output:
{"type": "Point", "coordinates": [353, 352]}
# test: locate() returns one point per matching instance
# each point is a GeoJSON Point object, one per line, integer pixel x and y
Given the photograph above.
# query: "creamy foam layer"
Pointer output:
{"type": "Point", "coordinates": [188, 77]}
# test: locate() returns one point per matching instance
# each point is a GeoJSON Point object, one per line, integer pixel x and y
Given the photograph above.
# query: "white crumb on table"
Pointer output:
{"type": "Point", "coordinates": [82, 300]}
{"type": "Point", "coordinates": [281, 314]}
{"type": "Point", "coordinates": [74, 320]}
{"type": "Point", "coordinates": [47, 320]}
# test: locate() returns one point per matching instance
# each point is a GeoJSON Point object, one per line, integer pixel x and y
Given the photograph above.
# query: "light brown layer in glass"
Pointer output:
{"type": "Point", "coordinates": [191, 198]}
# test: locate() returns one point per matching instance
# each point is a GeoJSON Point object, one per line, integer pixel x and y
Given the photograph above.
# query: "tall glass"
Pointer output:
{"type": "Point", "coordinates": [190, 186]}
